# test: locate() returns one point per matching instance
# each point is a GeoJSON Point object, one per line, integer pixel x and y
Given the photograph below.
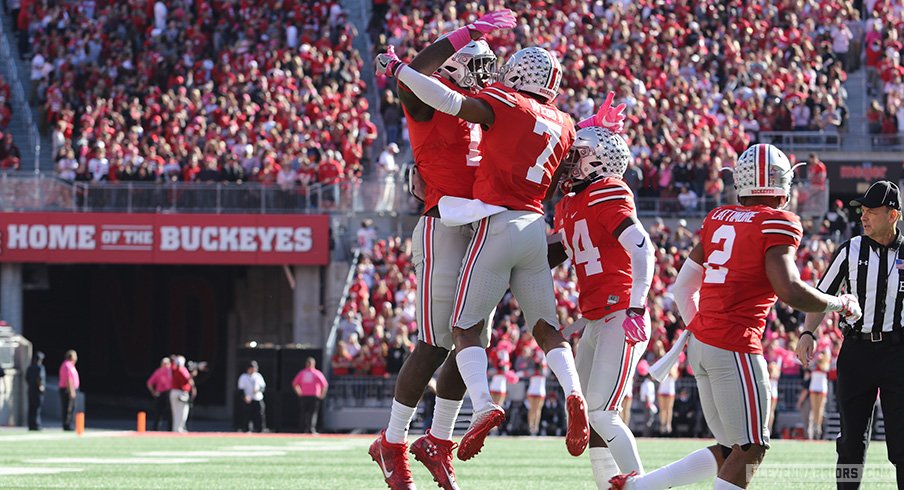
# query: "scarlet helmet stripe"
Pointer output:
{"type": "Point", "coordinates": [763, 165]}
{"type": "Point", "coordinates": [550, 84]}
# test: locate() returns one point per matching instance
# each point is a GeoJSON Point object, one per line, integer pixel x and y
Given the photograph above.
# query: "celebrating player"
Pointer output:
{"type": "Point", "coordinates": [446, 154]}
{"type": "Point", "coordinates": [597, 226]}
{"type": "Point", "coordinates": [745, 259]}
{"type": "Point", "coordinates": [525, 137]}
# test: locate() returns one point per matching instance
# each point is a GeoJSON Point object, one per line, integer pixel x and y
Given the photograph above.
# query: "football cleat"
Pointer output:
{"type": "Point", "coordinates": [436, 455]}
{"type": "Point", "coordinates": [619, 482]}
{"type": "Point", "coordinates": [393, 461]}
{"type": "Point", "coordinates": [578, 434]}
{"type": "Point", "coordinates": [481, 425]}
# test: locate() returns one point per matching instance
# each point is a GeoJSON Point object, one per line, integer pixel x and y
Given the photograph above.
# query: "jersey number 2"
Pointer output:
{"type": "Point", "coordinates": [536, 173]}
{"type": "Point", "coordinates": [582, 249]}
{"type": "Point", "coordinates": [716, 272]}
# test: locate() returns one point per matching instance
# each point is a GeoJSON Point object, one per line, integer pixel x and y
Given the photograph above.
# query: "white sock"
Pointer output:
{"type": "Point", "coordinates": [721, 484]}
{"type": "Point", "coordinates": [603, 466]}
{"type": "Point", "coordinates": [622, 445]}
{"type": "Point", "coordinates": [561, 361]}
{"type": "Point", "coordinates": [399, 420]}
{"type": "Point", "coordinates": [696, 466]}
{"type": "Point", "coordinates": [472, 364]}
{"type": "Point", "coordinates": [444, 414]}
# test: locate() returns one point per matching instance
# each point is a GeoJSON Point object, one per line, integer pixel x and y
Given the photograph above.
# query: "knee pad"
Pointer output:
{"type": "Point", "coordinates": [604, 422]}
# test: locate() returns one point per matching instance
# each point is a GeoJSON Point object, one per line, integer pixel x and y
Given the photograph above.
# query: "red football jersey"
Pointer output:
{"type": "Point", "coordinates": [523, 149]}
{"type": "Point", "coordinates": [446, 151]}
{"type": "Point", "coordinates": [586, 221]}
{"type": "Point", "coordinates": [736, 294]}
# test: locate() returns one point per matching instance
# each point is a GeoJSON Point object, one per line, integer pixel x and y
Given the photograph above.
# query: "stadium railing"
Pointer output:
{"type": "Point", "coordinates": [887, 141]}
{"type": "Point", "coordinates": [377, 391]}
{"type": "Point", "coordinates": [44, 192]}
{"type": "Point", "coordinates": [334, 328]}
{"type": "Point", "coordinates": [658, 206]}
{"type": "Point", "coordinates": [802, 140]}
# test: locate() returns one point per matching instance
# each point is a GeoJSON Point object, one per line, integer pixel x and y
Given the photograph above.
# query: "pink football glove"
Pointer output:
{"type": "Point", "coordinates": [493, 21]}
{"type": "Point", "coordinates": [635, 327]}
{"type": "Point", "coordinates": [388, 63]}
{"type": "Point", "coordinates": [611, 118]}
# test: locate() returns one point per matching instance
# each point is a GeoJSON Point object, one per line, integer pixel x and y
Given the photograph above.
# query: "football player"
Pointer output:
{"type": "Point", "coordinates": [446, 153]}
{"type": "Point", "coordinates": [597, 226]}
{"type": "Point", "coordinates": [744, 260]}
{"type": "Point", "coordinates": [525, 137]}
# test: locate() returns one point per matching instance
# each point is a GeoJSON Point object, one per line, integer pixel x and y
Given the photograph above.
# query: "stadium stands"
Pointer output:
{"type": "Point", "coordinates": [200, 91]}
{"type": "Point", "coordinates": [702, 79]}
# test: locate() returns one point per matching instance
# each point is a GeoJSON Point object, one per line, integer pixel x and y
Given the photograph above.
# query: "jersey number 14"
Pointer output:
{"type": "Point", "coordinates": [582, 250]}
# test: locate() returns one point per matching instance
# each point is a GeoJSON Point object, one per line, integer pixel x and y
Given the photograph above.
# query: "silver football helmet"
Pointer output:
{"type": "Point", "coordinates": [763, 170]}
{"type": "Point", "coordinates": [596, 153]}
{"type": "Point", "coordinates": [473, 66]}
{"type": "Point", "coordinates": [533, 70]}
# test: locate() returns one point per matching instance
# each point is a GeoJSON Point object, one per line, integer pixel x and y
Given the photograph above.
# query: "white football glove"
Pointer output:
{"type": "Point", "coordinates": [847, 306]}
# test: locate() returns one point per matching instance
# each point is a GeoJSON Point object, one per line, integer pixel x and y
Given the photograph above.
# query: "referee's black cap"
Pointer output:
{"type": "Point", "coordinates": [882, 193]}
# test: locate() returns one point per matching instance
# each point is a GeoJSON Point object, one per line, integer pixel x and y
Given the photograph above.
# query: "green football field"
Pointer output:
{"type": "Point", "coordinates": [124, 460]}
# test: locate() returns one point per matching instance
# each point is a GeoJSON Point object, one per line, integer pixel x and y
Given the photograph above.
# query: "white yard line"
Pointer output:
{"type": "Point", "coordinates": [34, 470]}
{"type": "Point", "coordinates": [210, 454]}
{"type": "Point", "coordinates": [56, 436]}
{"type": "Point", "coordinates": [135, 460]}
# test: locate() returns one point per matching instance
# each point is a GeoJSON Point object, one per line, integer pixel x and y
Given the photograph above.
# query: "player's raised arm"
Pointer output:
{"type": "Point", "coordinates": [416, 76]}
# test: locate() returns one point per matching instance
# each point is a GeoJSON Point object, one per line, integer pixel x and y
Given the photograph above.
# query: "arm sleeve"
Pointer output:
{"type": "Point", "coordinates": [836, 274]}
{"type": "Point", "coordinates": [431, 91]}
{"type": "Point", "coordinates": [687, 289]}
{"type": "Point", "coordinates": [637, 243]}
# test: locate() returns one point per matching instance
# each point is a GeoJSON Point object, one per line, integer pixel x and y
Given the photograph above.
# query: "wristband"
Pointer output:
{"type": "Point", "coordinates": [459, 38]}
{"type": "Point", "coordinates": [807, 332]}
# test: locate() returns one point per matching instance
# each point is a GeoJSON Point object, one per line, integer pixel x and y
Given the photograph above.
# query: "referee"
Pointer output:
{"type": "Point", "coordinates": [871, 266]}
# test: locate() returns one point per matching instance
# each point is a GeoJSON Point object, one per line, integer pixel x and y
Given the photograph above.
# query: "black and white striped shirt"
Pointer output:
{"type": "Point", "coordinates": [875, 274]}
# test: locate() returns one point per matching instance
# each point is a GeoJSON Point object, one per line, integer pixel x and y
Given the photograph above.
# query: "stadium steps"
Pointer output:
{"type": "Point", "coordinates": [18, 126]}
{"type": "Point", "coordinates": [856, 137]}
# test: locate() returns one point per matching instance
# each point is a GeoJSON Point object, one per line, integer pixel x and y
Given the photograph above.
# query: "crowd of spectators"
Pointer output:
{"type": "Point", "coordinates": [10, 156]}
{"type": "Point", "coordinates": [885, 74]}
{"type": "Point", "coordinates": [702, 79]}
{"type": "Point", "coordinates": [209, 90]}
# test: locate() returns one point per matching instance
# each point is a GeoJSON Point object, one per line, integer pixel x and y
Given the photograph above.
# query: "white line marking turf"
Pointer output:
{"type": "Point", "coordinates": [211, 454]}
{"type": "Point", "coordinates": [35, 471]}
{"type": "Point", "coordinates": [115, 460]}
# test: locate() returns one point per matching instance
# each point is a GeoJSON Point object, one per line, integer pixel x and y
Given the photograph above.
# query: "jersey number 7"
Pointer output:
{"type": "Point", "coordinates": [536, 173]}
